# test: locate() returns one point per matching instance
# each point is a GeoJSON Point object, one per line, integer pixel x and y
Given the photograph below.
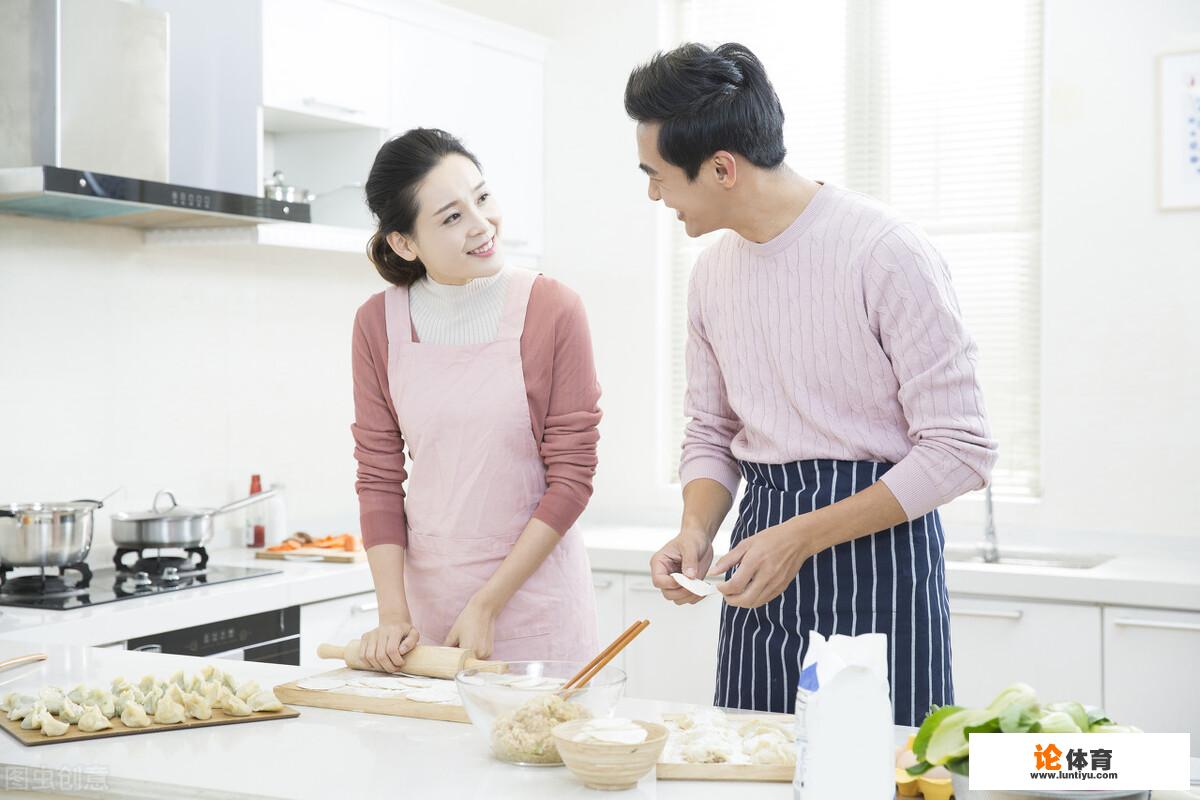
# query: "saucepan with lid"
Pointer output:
{"type": "Point", "coordinates": [173, 525]}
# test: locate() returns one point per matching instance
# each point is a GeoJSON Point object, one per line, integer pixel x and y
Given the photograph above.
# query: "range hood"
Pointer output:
{"type": "Point", "coordinates": [85, 125]}
{"type": "Point", "coordinates": [71, 194]}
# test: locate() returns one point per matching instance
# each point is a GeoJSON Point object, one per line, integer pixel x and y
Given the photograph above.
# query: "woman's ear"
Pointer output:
{"type": "Point", "coordinates": [401, 246]}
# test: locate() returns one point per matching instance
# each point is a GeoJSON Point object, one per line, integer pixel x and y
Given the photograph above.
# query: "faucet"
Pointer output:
{"type": "Point", "coordinates": [991, 550]}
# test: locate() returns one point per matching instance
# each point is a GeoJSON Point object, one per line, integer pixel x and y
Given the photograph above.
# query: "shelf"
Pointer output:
{"type": "Point", "coordinates": [280, 234]}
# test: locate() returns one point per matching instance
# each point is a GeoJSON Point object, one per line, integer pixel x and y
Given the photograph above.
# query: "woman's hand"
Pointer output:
{"type": "Point", "coordinates": [383, 648]}
{"type": "Point", "coordinates": [475, 628]}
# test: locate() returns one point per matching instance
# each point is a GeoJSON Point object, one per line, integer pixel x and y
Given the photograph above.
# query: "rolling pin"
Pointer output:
{"type": "Point", "coordinates": [425, 660]}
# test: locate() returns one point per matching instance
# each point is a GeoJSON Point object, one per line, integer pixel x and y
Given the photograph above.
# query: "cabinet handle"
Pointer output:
{"type": "Point", "coordinates": [604, 583]}
{"type": "Point", "coordinates": [149, 648]}
{"type": "Point", "coordinates": [313, 102]}
{"type": "Point", "coordinates": [1163, 626]}
{"type": "Point", "coordinates": [1013, 615]}
{"type": "Point", "coordinates": [362, 608]}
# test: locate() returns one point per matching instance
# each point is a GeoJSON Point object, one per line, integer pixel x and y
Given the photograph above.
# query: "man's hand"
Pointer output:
{"type": "Point", "coordinates": [690, 553]}
{"type": "Point", "coordinates": [767, 562]}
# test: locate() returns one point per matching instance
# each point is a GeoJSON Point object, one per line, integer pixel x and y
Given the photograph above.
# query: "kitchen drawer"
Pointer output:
{"type": "Point", "coordinates": [675, 659]}
{"type": "Point", "coordinates": [1150, 660]}
{"type": "Point", "coordinates": [1053, 647]}
{"type": "Point", "coordinates": [335, 621]}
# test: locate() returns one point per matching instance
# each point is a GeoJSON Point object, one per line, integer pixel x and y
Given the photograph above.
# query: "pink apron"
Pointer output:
{"type": "Point", "coordinates": [475, 481]}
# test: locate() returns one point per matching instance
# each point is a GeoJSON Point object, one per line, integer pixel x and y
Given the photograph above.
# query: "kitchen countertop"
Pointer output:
{"type": "Point", "coordinates": [320, 754]}
{"type": "Point", "coordinates": [1149, 580]}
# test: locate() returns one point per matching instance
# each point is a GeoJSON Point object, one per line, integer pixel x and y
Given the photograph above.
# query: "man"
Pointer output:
{"type": "Point", "coordinates": [827, 365]}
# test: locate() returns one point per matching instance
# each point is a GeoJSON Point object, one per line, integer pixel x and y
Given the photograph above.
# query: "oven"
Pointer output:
{"type": "Point", "coordinates": [272, 637]}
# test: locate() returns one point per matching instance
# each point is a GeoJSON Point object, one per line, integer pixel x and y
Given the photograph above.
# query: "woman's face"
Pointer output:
{"type": "Point", "coordinates": [457, 231]}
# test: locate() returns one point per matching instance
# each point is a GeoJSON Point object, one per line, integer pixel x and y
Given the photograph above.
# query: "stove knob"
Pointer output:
{"type": "Point", "coordinates": [170, 574]}
{"type": "Point", "coordinates": [141, 579]}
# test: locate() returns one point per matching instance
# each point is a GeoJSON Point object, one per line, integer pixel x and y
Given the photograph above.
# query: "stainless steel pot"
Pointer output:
{"type": "Point", "coordinates": [173, 525]}
{"type": "Point", "coordinates": [46, 534]}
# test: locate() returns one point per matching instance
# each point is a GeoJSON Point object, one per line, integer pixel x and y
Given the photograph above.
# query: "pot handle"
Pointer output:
{"type": "Point", "coordinates": [246, 501]}
{"type": "Point", "coordinates": [160, 493]}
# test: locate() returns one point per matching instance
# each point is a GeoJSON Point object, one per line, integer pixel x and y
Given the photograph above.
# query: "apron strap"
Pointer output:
{"type": "Point", "coordinates": [512, 321]}
{"type": "Point", "coordinates": [395, 306]}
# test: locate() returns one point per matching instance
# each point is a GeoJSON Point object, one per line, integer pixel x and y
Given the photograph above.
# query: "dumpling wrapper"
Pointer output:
{"type": "Point", "coordinates": [434, 694]}
{"type": "Point", "coordinates": [248, 689]}
{"type": "Point", "coordinates": [169, 712]}
{"type": "Point", "coordinates": [399, 682]}
{"type": "Point", "coordinates": [197, 706]}
{"type": "Point", "coordinates": [52, 726]}
{"type": "Point", "coordinates": [237, 707]}
{"type": "Point", "coordinates": [71, 711]}
{"type": "Point", "coordinates": [472, 680]}
{"type": "Point", "coordinates": [134, 716]}
{"type": "Point", "coordinates": [265, 701]}
{"type": "Point", "coordinates": [694, 585]}
{"type": "Point", "coordinates": [320, 684]}
{"type": "Point", "coordinates": [92, 720]}
{"type": "Point", "coordinates": [635, 735]}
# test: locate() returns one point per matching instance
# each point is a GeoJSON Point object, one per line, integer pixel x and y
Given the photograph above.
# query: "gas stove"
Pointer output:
{"type": "Point", "coordinates": [147, 575]}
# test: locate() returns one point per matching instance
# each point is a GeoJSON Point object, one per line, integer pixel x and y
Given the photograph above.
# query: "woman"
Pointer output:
{"type": "Point", "coordinates": [486, 372]}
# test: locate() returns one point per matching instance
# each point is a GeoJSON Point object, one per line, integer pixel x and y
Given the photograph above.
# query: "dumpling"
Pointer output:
{"type": "Point", "coordinates": [196, 683]}
{"type": "Point", "coordinates": [15, 700]}
{"type": "Point", "coordinates": [151, 698]}
{"type": "Point", "coordinates": [169, 712]}
{"type": "Point", "coordinates": [78, 693]}
{"type": "Point", "coordinates": [134, 716]}
{"type": "Point", "coordinates": [265, 701]}
{"type": "Point", "coordinates": [147, 684]}
{"type": "Point", "coordinates": [21, 712]}
{"type": "Point", "coordinates": [92, 720]}
{"type": "Point", "coordinates": [174, 692]}
{"type": "Point", "coordinates": [197, 706]}
{"type": "Point", "coordinates": [212, 692]}
{"type": "Point", "coordinates": [52, 698]}
{"type": "Point", "coordinates": [178, 679]}
{"type": "Point", "coordinates": [237, 707]}
{"type": "Point", "coordinates": [105, 700]}
{"type": "Point", "coordinates": [126, 698]}
{"type": "Point", "coordinates": [71, 711]}
{"type": "Point", "coordinates": [207, 671]}
{"type": "Point", "coordinates": [119, 683]}
{"type": "Point", "coordinates": [33, 720]}
{"type": "Point", "coordinates": [229, 681]}
{"type": "Point", "coordinates": [248, 689]}
{"type": "Point", "coordinates": [51, 726]}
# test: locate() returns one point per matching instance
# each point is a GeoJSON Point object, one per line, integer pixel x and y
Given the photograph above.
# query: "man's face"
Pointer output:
{"type": "Point", "coordinates": [696, 203]}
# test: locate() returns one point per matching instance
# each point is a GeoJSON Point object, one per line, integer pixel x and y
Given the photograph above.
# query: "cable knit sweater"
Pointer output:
{"type": "Point", "coordinates": [840, 338]}
{"type": "Point", "coordinates": [564, 415]}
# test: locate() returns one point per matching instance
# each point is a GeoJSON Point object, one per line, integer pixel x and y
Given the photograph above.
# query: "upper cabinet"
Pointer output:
{"type": "Point", "coordinates": [325, 60]}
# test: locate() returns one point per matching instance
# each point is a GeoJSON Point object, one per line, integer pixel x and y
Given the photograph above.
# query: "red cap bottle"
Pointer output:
{"type": "Point", "coordinates": [258, 531]}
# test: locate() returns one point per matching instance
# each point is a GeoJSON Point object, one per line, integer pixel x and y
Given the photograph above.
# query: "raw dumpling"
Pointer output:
{"type": "Point", "coordinates": [208, 671]}
{"type": "Point", "coordinates": [147, 684]}
{"type": "Point", "coordinates": [52, 698]}
{"type": "Point", "coordinates": [195, 684]}
{"type": "Point", "coordinates": [33, 720]}
{"type": "Point", "coordinates": [178, 679]}
{"type": "Point", "coordinates": [248, 689]}
{"type": "Point", "coordinates": [265, 701]}
{"type": "Point", "coordinates": [51, 726]}
{"type": "Point", "coordinates": [21, 712]}
{"type": "Point", "coordinates": [237, 707]}
{"type": "Point", "coordinates": [134, 716]}
{"type": "Point", "coordinates": [173, 692]}
{"type": "Point", "coordinates": [92, 720]}
{"type": "Point", "coordinates": [229, 681]}
{"type": "Point", "coordinates": [169, 712]}
{"type": "Point", "coordinates": [105, 700]}
{"type": "Point", "coordinates": [15, 700]}
{"type": "Point", "coordinates": [150, 700]}
{"type": "Point", "coordinates": [71, 711]}
{"type": "Point", "coordinates": [224, 695]}
{"type": "Point", "coordinates": [119, 683]}
{"type": "Point", "coordinates": [197, 706]}
{"type": "Point", "coordinates": [212, 692]}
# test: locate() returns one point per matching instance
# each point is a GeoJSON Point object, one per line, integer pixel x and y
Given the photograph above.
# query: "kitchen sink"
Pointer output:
{"type": "Point", "coordinates": [1025, 557]}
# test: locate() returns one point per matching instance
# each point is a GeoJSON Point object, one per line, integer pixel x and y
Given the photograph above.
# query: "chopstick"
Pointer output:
{"type": "Point", "coordinates": [608, 654]}
{"type": "Point", "coordinates": [601, 655]}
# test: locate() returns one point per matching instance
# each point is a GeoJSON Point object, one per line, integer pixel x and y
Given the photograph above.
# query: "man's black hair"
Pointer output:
{"type": "Point", "coordinates": [707, 100]}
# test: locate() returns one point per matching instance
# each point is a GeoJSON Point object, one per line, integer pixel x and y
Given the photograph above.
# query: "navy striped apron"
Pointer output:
{"type": "Point", "coordinates": [890, 582]}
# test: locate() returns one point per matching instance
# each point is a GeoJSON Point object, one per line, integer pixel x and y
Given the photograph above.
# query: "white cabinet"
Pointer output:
{"type": "Point", "coordinates": [609, 588]}
{"type": "Point", "coordinates": [1150, 659]}
{"type": "Point", "coordinates": [1053, 647]}
{"type": "Point", "coordinates": [674, 659]}
{"type": "Point", "coordinates": [325, 59]}
{"type": "Point", "coordinates": [335, 621]}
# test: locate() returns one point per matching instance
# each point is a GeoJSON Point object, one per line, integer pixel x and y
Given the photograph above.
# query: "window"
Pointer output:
{"type": "Point", "coordinates": [934, 107]}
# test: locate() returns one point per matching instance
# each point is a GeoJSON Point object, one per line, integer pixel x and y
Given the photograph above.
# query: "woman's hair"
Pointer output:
{"type": "Point", "coordinates": [391, 190]}
{"type": "Point", "coordinates": [708, 100]}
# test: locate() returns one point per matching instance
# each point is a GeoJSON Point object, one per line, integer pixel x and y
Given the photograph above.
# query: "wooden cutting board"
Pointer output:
{"type": "Point", "coordinates": [33, 738]}
{"type": "Point", "coordinates": [347, 701]}
{"type": "Point", "coordinates": [773, 773]}
{"type": "Point", "coordinates": [315, 554]}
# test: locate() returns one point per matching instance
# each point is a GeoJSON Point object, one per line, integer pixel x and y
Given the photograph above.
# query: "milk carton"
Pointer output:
{"type": "Point", "coordinates": [844, 737]}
